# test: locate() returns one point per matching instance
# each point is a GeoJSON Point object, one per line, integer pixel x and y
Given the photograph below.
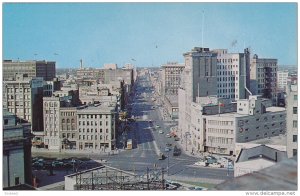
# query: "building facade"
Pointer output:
{"type": "Point", "coordinates": [171, 75]}
{"type": "Point", "coordinates": [23, 96]}
{"type": "Point", "coordinates": [44, 69]}
{"type": "Point", "coordinates": [233, 74]}
{"type": "Point", "coordinates": [292, 120]}
{"type": "Point", "coordinates": [282, 79]}
{"type": "Point", "coordinates": [16, 161]}
{"type": "Point", "coordinates": [199, 79]}
{"type": "Point", "coordinates": [97, 128]}
{"type": "Point", "coordinates": [263, 77]}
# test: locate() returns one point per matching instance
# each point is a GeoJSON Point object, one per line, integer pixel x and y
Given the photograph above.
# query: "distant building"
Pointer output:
{"type": "Point", "coordinates": [44, 69]}
{"type": "Point", "coordinates": [23, 96]}
{"type": "Point", "coordinates": [171, 75]}
{"type": "Point", "coordinates": [292, 119]}
{"type": "Point", "coordinates": [282, 79]}
{"type": "Point", "coordinates": [16, 160]}
{"type": "Point", "coordinates": [263, 77]}
{"type": "Point", "coordinates": [110, 66]}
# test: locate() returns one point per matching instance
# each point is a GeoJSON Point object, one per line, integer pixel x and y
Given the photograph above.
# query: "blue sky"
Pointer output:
{"type": "Point", "coordinates": [150, 33]}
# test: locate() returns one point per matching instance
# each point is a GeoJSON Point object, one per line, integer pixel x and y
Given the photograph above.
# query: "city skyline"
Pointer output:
{"type": "Point", "coordinates": [145, 34]}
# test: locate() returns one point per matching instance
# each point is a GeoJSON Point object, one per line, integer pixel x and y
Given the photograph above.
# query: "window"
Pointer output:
{"type": "Point", "coordinates": [5, 121]}
{"type": "Point", "coordinates": [294, 152]}
{"type": "Point", "coordinates": [295, 138]}
{"type": "Point", "coordinates": [295, 110]}
{"type": "Point", "coordinates": [295, 97]}
{"type": "Point", "coordinates": [295, 123]}
{"type": "Point", "coordinates": [17, 180]}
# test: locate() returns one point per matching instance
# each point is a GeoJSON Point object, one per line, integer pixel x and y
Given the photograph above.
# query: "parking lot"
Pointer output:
{"type": "Point", "coordinates": [51, 170]}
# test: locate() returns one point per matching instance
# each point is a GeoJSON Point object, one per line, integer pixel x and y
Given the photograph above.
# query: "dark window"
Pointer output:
{"type": "Point", "coordinates": [17, 180]}
{"type": "Point", "coordinates": [295, 138]}
{"type": "Point", "coordinates": [295, 110]}
{"type": "Point", "coordinates": [5, 121]}
{"type": "Point", "coordinates": [294, 152]}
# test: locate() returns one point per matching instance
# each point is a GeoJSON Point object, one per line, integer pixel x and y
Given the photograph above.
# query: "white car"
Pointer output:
{"type": "Point", "coordinates": [168, 135]}
{"type": "Point", "coordinates": [160, 131]}
{"type": "Point", "coordinates": [200, 163]}
{"type": "Point", "coordinates": [215, 165]}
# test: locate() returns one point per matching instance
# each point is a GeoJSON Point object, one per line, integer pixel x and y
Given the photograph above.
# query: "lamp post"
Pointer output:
{"type": "Point", "coordinates": [186, 134]}
{"type": "Point", "coordinates": [168, 163]}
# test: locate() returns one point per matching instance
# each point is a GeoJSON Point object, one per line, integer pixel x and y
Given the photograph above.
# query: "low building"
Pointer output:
{"type": "Point", "coordinates": [97, 127]}
{"type": "Point", "coordinates": [218, 124]}
{"type": "Point", "coordinates": [257, 158]}
{"type": "Point", "coordinates": [16, 161]}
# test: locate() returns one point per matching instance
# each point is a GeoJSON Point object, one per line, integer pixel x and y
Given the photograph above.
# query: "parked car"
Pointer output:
{"type": "Point", "coordinates": [57, 163]}
{"type": "Point", "coordinates": [157, 126]}
{"type": "Point", "coordinates": [160, 131]}
{"type": "Point", "coordinates": [167, 149]}
{"type": "Point", "coordinates": [168, 135]}
{"type": "Point", "coordinates": [201, 163]}
{"type": "Point", "coordinates": [168, 144]}
{"type": "Point", "coordinates": [215, 165]}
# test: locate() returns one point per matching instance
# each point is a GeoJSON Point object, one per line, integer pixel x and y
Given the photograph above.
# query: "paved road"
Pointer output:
{"type": "Point", "coordinates": [148, 143]}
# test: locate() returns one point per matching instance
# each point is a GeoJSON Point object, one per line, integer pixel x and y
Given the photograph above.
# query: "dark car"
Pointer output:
{"type": "Point", "coordinates": [176, 151]}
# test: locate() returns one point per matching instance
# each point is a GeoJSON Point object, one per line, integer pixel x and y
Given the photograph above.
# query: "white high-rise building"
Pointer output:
{"type": "Point", "coordinates": [233, 74]}
{"type": "Point", "coordinates": [292, 120]}
{"type": "Point", "coordinates": [282, 79]}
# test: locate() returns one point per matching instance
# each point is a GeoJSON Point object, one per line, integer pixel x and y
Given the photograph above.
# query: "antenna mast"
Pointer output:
{"type": "Point", "coordinates": [202, 26]}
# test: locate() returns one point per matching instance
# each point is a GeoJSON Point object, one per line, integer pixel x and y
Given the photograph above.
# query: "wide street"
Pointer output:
{"type": "Point", "coordinates": [148, 143]}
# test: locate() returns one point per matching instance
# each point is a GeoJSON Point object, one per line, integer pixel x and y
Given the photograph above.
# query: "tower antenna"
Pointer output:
{"type": "Point", "coordinates": [202, 27]}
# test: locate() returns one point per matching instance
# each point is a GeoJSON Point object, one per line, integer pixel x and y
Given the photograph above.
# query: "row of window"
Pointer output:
{"type": "Point", "coordinates": [219, 140]}
{"type": "Point", "coordinates": [92, 137]}
{"type": "Point", "coordinates": [92, 123]}
{"type": "Point", "coordinates": [217, 122]}
{"type": "Point", "coordinates": [88, 130]}
{"type": "Point", "coordinates": [265, 134]}
{"type": "Point", "coordinates": [94, 116]}
{"type": "Point", "coordinates": [219, 79]}
{"type": "Point", "coordinates": [220, 131]}
{"type": "Point", "coordinates": [227, 60]}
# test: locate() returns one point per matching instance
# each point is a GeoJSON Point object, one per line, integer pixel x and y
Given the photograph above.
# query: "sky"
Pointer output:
{"type": "Point", "coordinates": [145, 34]}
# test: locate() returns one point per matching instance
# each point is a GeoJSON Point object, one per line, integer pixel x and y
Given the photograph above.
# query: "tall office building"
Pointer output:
{"type": "Point", "coordinates": [233, 74]}
{"type": "Point", "coordinates": [292, 119]}
{"type": "Point", "coordinates": [171, 75]}
{"type": "Point", "coordinates": [282, 79]}
{"type": "Point", "coordinates": [16, 161]}
{"type": "Point", "coordinates": [44, 69]}
{"type": "Point", "coordinates": [23, 96]}
{"type": "Point", "coordinates": [263, 76]}
{"type": "Point", "coordinates": [199, 79]}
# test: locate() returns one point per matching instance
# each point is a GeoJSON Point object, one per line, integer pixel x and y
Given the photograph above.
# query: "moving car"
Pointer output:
{"type": "Point", "coordinates": [161, 156]}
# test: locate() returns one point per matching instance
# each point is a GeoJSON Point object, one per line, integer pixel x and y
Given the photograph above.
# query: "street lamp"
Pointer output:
{"type": "Point", "coordinates": [186, 134]}
{"type": "Point", "coordinates": [168, 162]}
